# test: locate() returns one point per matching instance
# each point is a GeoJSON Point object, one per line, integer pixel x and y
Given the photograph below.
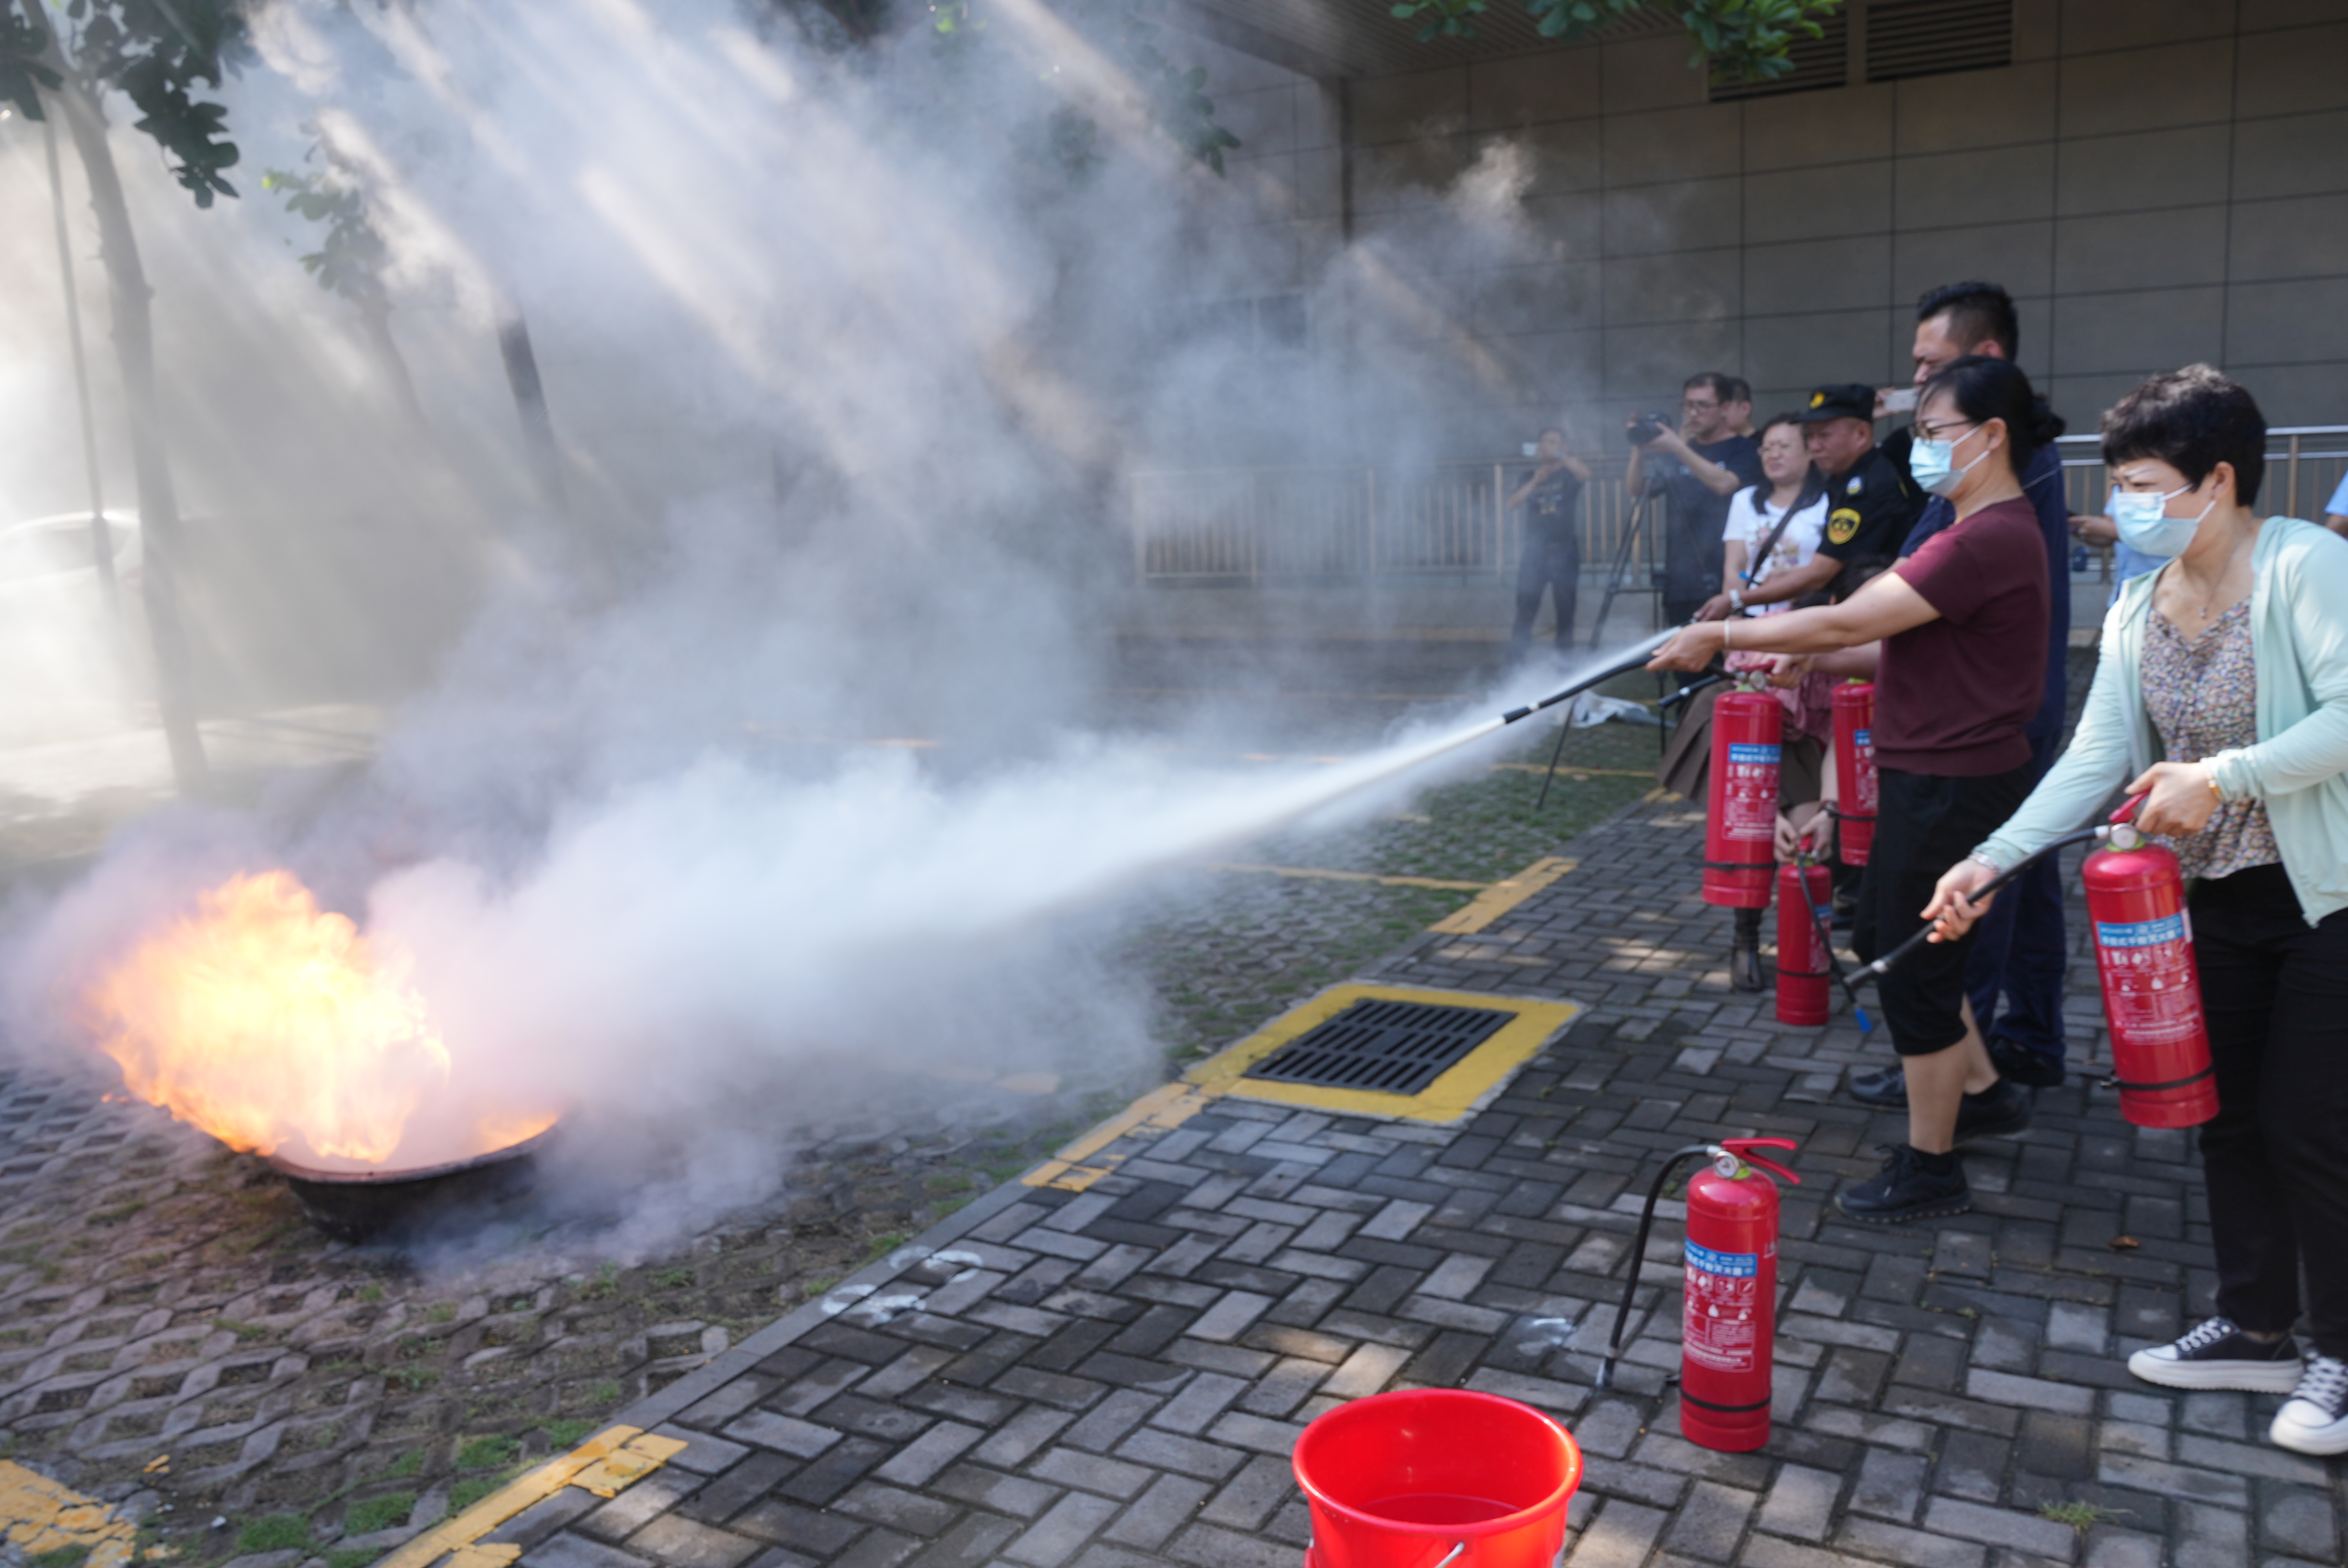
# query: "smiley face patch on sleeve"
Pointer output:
{"type": "Point", "coordinates": [1842, 525]}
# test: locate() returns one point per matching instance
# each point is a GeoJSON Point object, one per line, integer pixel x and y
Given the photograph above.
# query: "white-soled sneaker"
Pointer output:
{"type": "Point", "coordinates": [2314, 1419]}
{"type": "Point", "coordinates": [2218, 1354]}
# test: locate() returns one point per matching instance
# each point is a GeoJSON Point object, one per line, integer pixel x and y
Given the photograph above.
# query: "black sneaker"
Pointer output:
{"type": "Point", "coordinates": [1888, 1089]}
{"type": "Point", "coordinates": [2021, 1065]}
{"type": "Point", "coordinates": [2218, 1354]}
{"type": "Point", "coordinates": [2314, 1419]}
{"type": "Point", "coordinates": [2001, 1110]}
{"type": "Point", "coordinates": [1909, 1187]}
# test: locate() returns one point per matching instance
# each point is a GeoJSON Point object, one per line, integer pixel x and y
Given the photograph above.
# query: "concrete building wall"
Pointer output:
{"type": "Point", "coordinates": [2156, 181]}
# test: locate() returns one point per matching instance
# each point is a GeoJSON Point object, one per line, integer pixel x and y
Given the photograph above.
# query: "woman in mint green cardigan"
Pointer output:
{"type": "Point", "coordinates": [2222, 695]}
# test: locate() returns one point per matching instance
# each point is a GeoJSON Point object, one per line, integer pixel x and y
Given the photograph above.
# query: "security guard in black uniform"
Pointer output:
{"type": "Point", "coordinates": [1871, 502]}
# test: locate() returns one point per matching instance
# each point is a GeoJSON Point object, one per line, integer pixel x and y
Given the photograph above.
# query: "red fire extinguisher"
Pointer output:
{"type": "Point", "coordinates": [1854, 740]}
{"type": "Point", "coordinates": [1728, 1315]}
{"type": "Point", "coordinates": [1741, 800]}
{"type": "Point", "coordinates": [1803, 958]}
{"type": "Point", "coordinates": [2152, 992]}
{"type": "Point", "coordinates": [2144, 961]}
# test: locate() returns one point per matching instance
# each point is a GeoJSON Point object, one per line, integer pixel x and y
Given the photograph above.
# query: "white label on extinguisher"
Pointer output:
{"type": "Point", "coordinates": [1723, 1321]}
{"type": "Point", "coordinates": [2147, 979]}
{"type": "Point", "coordinates": [1751, 806]}
{"type": "Point", "coordinates": [1863, 750]}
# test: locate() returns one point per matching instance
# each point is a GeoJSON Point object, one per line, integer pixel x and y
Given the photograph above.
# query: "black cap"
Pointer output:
{"type": "Point", "coordinates": [1845, 400]}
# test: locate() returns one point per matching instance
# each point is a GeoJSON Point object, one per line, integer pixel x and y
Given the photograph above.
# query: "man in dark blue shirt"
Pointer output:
{"type": "Point", "coordinates": [2019, 955]}
{"type": "Point", "coordinates": [1700, 465]}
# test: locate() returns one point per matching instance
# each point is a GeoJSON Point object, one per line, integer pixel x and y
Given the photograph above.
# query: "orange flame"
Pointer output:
{"type": "Point", "coordinates": [273, 1025]}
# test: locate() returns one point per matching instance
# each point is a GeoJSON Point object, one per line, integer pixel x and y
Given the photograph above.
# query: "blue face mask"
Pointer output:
{"type": "Point", "coordinates": [2145, 525]}
{"type": "Point", "coordinates": [1932, 465]}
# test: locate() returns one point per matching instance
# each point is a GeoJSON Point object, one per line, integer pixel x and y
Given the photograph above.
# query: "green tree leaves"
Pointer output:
{"type": "Point", "coordinates": [1743, 40]}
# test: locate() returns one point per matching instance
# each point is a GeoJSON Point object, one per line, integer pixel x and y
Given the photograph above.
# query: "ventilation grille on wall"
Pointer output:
{"type": "Point", "coordinates": [1931, 37]}
{"type": "Point", "coordinates": [1820, 62]}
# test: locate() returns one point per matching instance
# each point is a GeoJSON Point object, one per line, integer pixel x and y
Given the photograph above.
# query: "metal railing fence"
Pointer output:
{"type": "Point", "coordinates": [1255, 524]}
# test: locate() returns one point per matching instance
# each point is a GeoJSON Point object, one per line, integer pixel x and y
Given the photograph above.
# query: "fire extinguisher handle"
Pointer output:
{"type": "Point", "coordinates": [2127, 809]}
{"type": "Point", "coordinates": [1743, 1149]}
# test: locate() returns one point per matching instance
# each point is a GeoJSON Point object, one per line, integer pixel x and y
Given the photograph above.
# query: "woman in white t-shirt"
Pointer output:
{"type": "Point", "coordinates": [1793, 487]}
{"type": "Point", "coordinates": [1773, 527]}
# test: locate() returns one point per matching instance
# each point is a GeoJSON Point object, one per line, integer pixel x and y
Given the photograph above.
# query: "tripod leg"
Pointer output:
{"type": "Point", "coordinates": [1614, 574]}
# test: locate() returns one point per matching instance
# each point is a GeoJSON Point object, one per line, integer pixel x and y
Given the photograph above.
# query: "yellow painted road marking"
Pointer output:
{"type": "Point", "coordinates": [37, 1515]}
{"type": "Point", "coordinates": [1161, 1110]}
{"type": "Point", "coordinates": [1316, 872]}
{"type": "Point", "coordinates": [1452, 1095]}
{"type": "Point", "coordinates": [1504, 896]}
{"type": "Point", "coordinates": [604, 1464]}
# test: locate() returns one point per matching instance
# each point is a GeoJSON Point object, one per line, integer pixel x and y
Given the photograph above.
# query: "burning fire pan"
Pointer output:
{"type": "Point", "coordinates": [361, 1206]}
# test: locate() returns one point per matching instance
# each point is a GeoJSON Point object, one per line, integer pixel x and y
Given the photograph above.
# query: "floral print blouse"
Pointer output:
{"type": "Point", "coordinates": [2201, 692]}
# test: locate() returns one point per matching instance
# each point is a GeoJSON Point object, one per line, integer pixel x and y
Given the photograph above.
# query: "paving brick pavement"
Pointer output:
{"type": "Point", "coordinates": [1114, 1380]}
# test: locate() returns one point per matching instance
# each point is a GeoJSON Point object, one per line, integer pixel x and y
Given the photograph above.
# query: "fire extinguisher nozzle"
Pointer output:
{"type": "Point", "coordinates": [1513, 714]}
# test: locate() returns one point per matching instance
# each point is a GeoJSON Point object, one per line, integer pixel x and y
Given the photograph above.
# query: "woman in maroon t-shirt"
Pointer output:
{"type": "Point", "coordinates": [1962, 628]}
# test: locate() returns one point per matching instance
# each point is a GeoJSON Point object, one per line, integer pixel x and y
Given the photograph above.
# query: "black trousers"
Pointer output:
{"type": "Point", "coordinates": [2275, 990]}
{"type": "Point", "coordinates": [1924, 823]}
{"type": "Point", "coordinates": [1551, 561]}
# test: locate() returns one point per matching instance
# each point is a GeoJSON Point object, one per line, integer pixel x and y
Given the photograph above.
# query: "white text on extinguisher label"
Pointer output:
{"type": "Point", "coordinates": [2148, 978]}
{"type": "Point", "coordinates": [1722, 1324]}
{"type": "Point", "coordinates": [2141, 933]}
{"type": "Point", "coordinates": [1752, 795]}
{"type": "Point", "coordinates": [1863, 747]}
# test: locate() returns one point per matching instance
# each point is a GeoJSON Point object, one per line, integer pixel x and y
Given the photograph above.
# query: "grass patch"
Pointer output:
{"type": "Point", "coordinates": [370, 1293]}
{"type": "Point", "coordinates": [606, 1393]}
{"type": "Point", "coordinates": [351, 1556]}
{"type": "Point", "coordinates": [672, 1278]}
{"type": "Point", "coordinates": [488, 1453]}
{"type": "Point", "coordinates": [378, 1513]}
{"type": "Point", "coordinates": [410, 1462]}
{"type": "Point", "coordinates": [564, 1436]}
{"type": "Point", "coordinates": [247, 1332]}
{"type": "Point", "coordinates": [471, 1489]}
{"type": "Point", "coordinates": [951, 1182]}
{"type": "Point", "coordinates": [278, 1532]}
{"type": "Point", "coordinates": [412, 1380]}
{"type": "Point", "coordinates": [2080, 1516]}
{"type": "Point", "coordinates": [441, 1312]}
{"type": "Point", "coordinates": [605, 1284]}
{"type": "Point", "coordinates": [59, 1557]}
{"type": "Point", "coordinates": [881, 1245]}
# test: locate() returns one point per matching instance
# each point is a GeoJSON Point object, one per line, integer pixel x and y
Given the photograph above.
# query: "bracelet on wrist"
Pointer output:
{"type": "Point", "coordinates": [1978, 858]}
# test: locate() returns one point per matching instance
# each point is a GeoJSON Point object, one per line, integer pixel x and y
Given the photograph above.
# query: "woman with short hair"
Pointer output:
{"type": "Point", "coordinates": [1961, 671]}
{"type": "Point", "coordinates": [2221, 696]}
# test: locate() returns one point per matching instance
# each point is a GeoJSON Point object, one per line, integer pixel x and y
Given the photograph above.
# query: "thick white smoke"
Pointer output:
{"type": "Point", "coordinates": [848, 371]}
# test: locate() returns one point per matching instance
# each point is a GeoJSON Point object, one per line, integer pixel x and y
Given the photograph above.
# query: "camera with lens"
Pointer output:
{"type": "Point", "coordinates": [1645, 428]}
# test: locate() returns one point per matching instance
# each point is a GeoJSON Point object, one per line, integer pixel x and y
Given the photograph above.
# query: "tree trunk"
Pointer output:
{"type": "Point", "coordinates": [376, 313]}
{"type": "Point", "coordinates": [159, 506]}
{"type": "Point", "coordinates": [530, 402]}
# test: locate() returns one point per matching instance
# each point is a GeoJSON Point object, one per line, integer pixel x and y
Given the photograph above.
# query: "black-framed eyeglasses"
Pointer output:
{"type": "Point", "coordinates": [1940, 432]}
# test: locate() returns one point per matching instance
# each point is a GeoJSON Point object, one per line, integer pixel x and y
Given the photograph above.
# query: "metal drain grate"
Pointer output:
{"type": "Point", "coordinates": [1392, 1047]}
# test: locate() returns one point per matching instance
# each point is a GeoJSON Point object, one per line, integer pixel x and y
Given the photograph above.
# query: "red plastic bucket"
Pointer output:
{"type": "Point", "coordinates": [1426, 1478]}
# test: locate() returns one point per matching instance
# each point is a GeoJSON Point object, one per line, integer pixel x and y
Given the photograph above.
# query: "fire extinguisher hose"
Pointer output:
{"type": "Point", "coordinates": [2120, 827]}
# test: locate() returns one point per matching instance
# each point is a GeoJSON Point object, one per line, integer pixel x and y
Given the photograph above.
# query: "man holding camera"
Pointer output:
{"type": "Point", "coordinates": [1699, 467]}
